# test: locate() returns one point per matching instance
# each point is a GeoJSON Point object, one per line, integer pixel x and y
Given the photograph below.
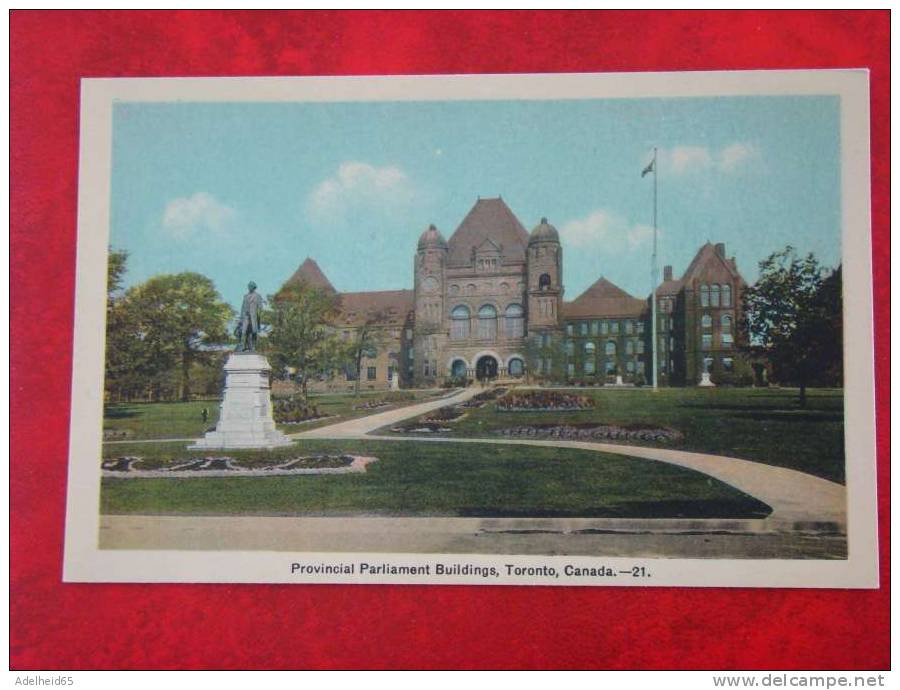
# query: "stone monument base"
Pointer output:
{"type": "Point", "coordinates": [705, 381]}
{"type": "Point", "coordinates": [245, 415]}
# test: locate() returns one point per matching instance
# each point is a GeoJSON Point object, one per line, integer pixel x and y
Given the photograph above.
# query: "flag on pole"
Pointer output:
{"type": "Point", "coordinates": [651, 166]}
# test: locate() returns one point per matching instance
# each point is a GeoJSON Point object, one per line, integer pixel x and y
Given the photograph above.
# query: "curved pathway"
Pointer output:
{"type": "Point", "coordinates": [797, 499]}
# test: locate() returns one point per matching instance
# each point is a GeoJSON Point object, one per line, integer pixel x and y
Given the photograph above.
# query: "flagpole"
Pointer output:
{"type": "Point", "coordinates": [654, 278]}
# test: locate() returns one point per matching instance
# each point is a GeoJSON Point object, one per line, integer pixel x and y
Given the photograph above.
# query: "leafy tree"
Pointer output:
{"type": "Point", "coordinates": [300, 337]}
{"type": "Point", "coordinates": [125, 368]}
{"type": "Point", "coordinates": [174, 318]}
{"type": "Point", "coordinates": [792, 317]}
{"type": "Point", "coordinates": [367, 340]}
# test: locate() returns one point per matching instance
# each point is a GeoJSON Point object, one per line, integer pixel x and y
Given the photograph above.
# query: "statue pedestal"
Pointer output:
{"type": "Point", "coordinates": [245, 416]}
{"type": "Point", "coordinates": [705, 381]}
{"type": "Point", "coordinates": [619, 381]}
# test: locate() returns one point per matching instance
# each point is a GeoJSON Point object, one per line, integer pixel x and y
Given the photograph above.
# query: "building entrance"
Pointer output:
{"type": "Point", "coordinates": [486, 368]}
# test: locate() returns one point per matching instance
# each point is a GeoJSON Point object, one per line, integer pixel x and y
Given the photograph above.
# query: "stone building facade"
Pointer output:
{"type": "Point", "coordinates": [488, 303]}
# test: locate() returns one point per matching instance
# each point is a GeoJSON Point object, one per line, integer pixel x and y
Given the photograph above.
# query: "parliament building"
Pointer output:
{"type": "Point", "coordinates": [489, 303]}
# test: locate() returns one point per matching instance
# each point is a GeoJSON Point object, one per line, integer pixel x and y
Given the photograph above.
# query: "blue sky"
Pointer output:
{"type": "Point", "coordinates": [241, 191]}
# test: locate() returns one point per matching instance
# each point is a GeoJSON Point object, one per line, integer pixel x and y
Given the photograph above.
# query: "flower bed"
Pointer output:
{"type": "Point", "coordinates": [444, 414]}
{"type": "Point", "coordinates": [224, 466]}
{"type": "Point", "coordinates": [592, 432]}
{"type": "Point", "coordinates": [544, 401]}
{"type": "Point", "coordinates": [295, 411]}
{"type": "Point", "coordinates": [421, 428]}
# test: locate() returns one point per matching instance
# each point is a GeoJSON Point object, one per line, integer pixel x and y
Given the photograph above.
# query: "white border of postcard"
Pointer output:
{"type": "Point", "coordinates": [85, 562]}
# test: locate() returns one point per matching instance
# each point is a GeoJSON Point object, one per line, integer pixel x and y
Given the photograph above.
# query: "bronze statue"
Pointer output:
{"type": "Point", "coordinates": [248, 327]}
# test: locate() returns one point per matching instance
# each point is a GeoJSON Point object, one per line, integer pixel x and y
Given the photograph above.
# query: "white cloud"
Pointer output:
{"type": "Point", "coordinates": [607, 229]}
{"type": "Point", "coordinates": [682, 160]}
{"type": "Point", "coordinates": [736, 155]}
{"type": "Point", "coordinates": [187, 216]}
{"type": "Point", "coordinates": [357, 182]}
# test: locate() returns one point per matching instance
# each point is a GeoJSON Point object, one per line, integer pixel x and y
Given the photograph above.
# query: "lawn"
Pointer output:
{"type": "Point", "coordinates": [437, 479]}
{"type": "Point", "coordinates": [766, 425]}
{"type": "Point", "coordinates": [185, 420]}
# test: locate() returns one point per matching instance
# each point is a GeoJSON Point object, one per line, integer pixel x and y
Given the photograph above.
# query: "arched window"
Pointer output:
{"type": "Point", "coordinates": [629, 347]}
{"type": "Point", "coordinates": [714, 296]}
{"type": "Point", "coordinates": [726, 295]}
{"type": "Point", "coordinates": [544, 281]}
{"type": "Point", "coordinates": [458, 368]}
{"type": "Point", "coordinates": [459, 322]}
{"type": "Point", "coordinates": [589, 349]}
{"type": "Point", "coordinates": [611, 347]}
{"type": "Point", "coordinates": [487, 323]}
{"type": "Point", "coordinates": [515, 321]}
{"type": "Point", "coordinates": [706, 321]}
{"type": "Point", "coordinates": [516, 367]}
{"type": "Point", "coordinates": [727, 323]}
{"type": "Point", "coordinates": [704, 295]}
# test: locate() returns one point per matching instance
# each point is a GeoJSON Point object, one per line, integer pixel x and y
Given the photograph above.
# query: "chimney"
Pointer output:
{"type": "Point", "coordinates": [720, 249]}
{"type": "Point", "coordinates": [667, 273]}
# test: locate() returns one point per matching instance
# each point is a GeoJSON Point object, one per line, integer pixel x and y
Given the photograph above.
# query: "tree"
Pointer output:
{"type": "Point", "coordinates": [301, 337]}
{"type": "Point", "coordinates": [125, 366]}
{"type": "Point", "coordinates": [791, 316]}
{"type": "Point", "coordinates": [174, 318]}
{"type": "Point", "coordinates": [367, 339]}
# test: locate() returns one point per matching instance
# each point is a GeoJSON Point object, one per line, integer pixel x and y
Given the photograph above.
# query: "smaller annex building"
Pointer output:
{"type": "Point", "coordinates": [489, 304]}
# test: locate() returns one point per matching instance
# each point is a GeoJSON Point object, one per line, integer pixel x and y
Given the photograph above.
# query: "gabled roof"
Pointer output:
{"type": "Point", "coordinates": [310, 274]}
{"type": "Point", "coordinates": [706, 254]}
{"type": "Point", "coordinates": [489, 219]}
{"type": "Point", "coordinates": [604, 299]}
{"type": "Point", "coordinates": [384, 307]}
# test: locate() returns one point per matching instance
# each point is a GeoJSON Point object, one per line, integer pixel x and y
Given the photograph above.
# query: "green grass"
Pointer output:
{"type": "Point", "coordinates": [437, 479]}
{"type": "Point", "coordinates": [184, 420]}
{"type": "Point", "coordinates": [755, 424]}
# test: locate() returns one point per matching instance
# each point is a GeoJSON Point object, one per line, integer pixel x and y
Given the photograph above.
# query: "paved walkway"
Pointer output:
{"type": "Point", "coordinates": [354, 428]}
{"type": "Point", "coordinates": [798, 500]}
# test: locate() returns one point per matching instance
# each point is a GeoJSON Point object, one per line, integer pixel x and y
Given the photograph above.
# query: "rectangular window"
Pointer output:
{"type": "Point", "coordinates": [548, 366]}
{"type": "Point", "coordinates": [570, 348]}
{"type": "Point", "coordinates": [371, 372]}
{"type": "Point", "coordinates": [613, 327]}
{"type": "Point", "coordinates": [595, 327]}
{"type": "Point", "coordinates": [604, 327]}
{"type": "Point", "coordinates": [589, 366]}
{"type": "Point", "coordinates": [629, 327]}
{"type": "Point", "coordinates": [548, 341]}
{"type": "Point", "coordinates": [351, 374]}
{"type": "Point", "coordinates": [640, 367]}
{"type": "Point", "coordinates": [707, 341]}
{"type": "Point", "coordinates": [570, 330]}
{"type": "Point", "coordinates": [640, 327]}
{"type": "Point", "coordinates": [571, 370]}
{"type": "Point", "coordinates": [727, 364]}
{"type": "Point", "coordinates": [629, 366]}
{"type": "Point", "coordinates": [640, 347]}
{"type": "Point", "coordinates": [629, 347]}
{"type": "Point", "coordinates": [584, 328]}
{"type": "Point", "coordinates": [727, 339]}
{"type": "Point", "coordinates": [610, 368]}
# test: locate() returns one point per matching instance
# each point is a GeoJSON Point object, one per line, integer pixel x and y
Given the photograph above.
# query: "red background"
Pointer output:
{"type": "Point", "coordinates": [75, 626]}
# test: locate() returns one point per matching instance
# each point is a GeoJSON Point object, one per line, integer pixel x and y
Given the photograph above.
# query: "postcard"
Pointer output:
{"type": "Point", "coordinates": [568, 329]}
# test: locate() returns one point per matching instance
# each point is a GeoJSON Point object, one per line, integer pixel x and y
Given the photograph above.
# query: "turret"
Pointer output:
{"type": "Point", "coordinates": [431, 258]}
{"type": "Point", "coordinates": [545, 289]}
